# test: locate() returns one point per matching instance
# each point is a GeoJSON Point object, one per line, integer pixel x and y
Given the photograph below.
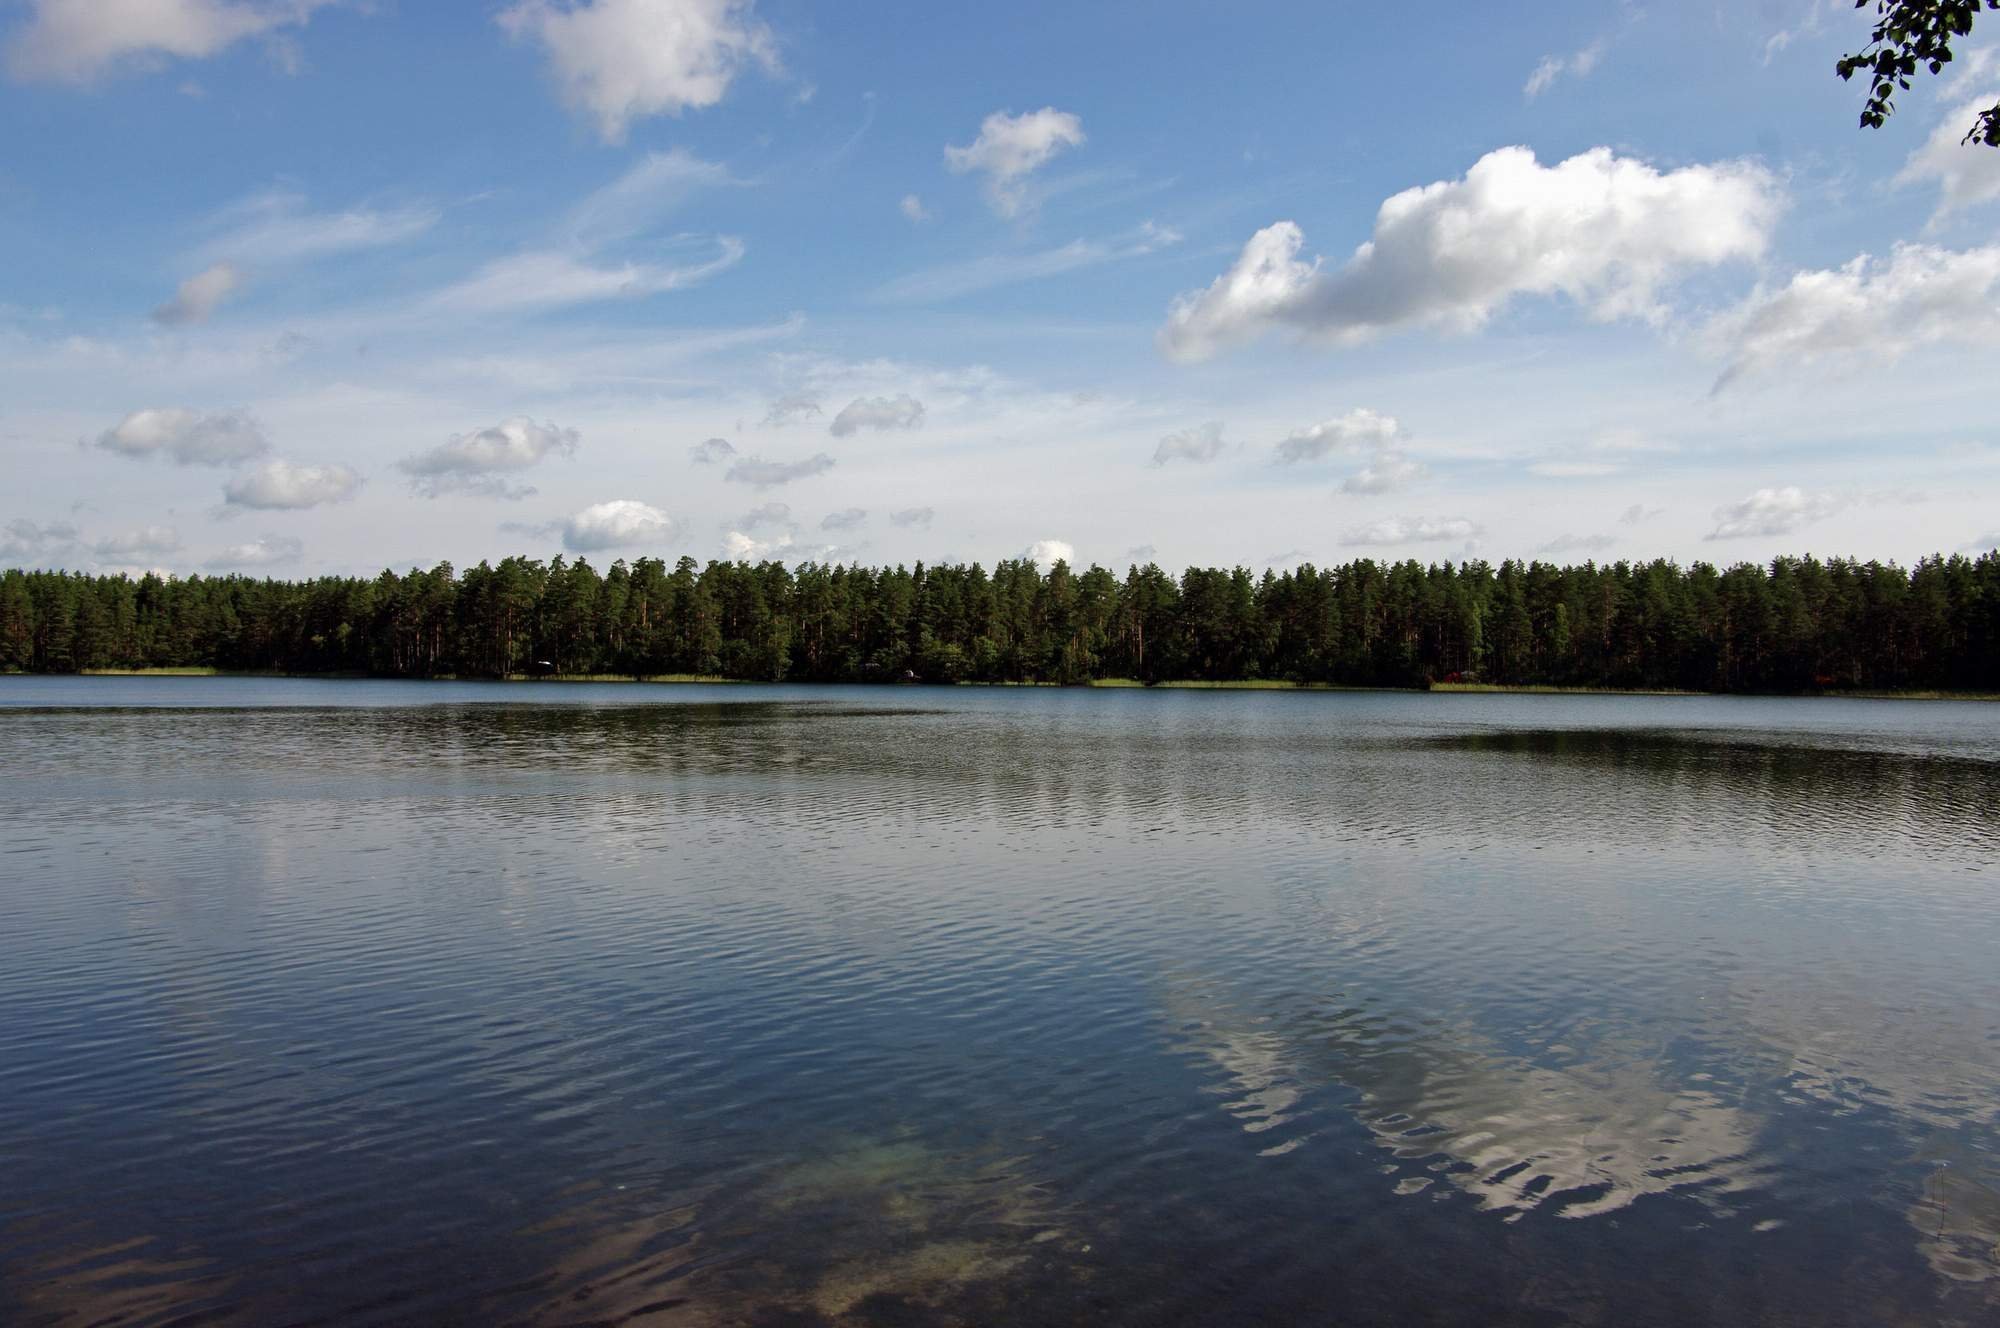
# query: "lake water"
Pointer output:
{"type": "Point", "coordinates": [432, 1003]}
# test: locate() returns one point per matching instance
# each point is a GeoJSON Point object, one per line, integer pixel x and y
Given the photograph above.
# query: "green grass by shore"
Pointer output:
{"type": "Point", "coordinates": [1548, 689]}
{"type": "Point", "coordinates": [1171, 685]}
{"type": "Point", "coordinates": [1236, 685]}
{"type": "Point", "coordinates": [178, 671]}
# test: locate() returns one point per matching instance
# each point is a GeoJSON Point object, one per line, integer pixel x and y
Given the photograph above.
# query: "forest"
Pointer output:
{"type": "Point", "coordinates": [1796, 625]}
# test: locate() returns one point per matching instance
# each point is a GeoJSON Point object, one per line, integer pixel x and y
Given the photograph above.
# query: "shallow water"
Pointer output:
{"type": "Point", "coordinates": [357, 1002]}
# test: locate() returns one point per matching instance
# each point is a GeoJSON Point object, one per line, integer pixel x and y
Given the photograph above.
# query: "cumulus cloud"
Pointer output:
{"type": "Point", "coordinates": [199, 296]}
{"type": "Point", "coordinates": [270, 551]}
{"type": "Point", "coordinates": [1388, 468]}
{"type": "Point", "coordinates": [1010, 148]}
{"type": "Point", "coordinates": [898, 412]}
{"type": "Point", "coordinates": [188, 437]}
{"type": "Point", "coordinates": [1637, 513]}
{"type": "Point", "coordinates": [739, 547]}
{"type": "Point", "coordinates": [621, 523]}
{"type": "Point", "coordinates": [1568, 543]}
{"type": "Point", "coordinates": [1047, 553]}
{"type": "Point", "coordinates": [1966, 174]}
{"type": "Point", "coordinates": [1142, 551]}
{"type": "Point", "coordinates": [770, 514]}
{"type": "Point", "coordinates": [1201, 443]}
{"type": "Point", "coordinates": [75, 41]}
{"type": "Point", "coordinates": [1870, 309]}
{"type": "Point", "coordinates": [1772, 512]}
{"type": "Point", "coordinates": [145, 542]}
{"type": "Point", "coordinates": [1577, 64]}
{"type": "Point", "coordinates": [913, 208]}
{"type": "Point", "coordinates": [21, 541]}
{"type": "Point", "coordinates": [478, 463]}
{"type": "Point", "coordinates": [710, 451]}
{"type": "Point", "coordinates": [551, 279]}
{"type": "Point", "coordinates": [1389, 471]}
{"type": "Point", "coordinates": [912, 518]}
{"type": "Point", "coordinates": [1604, 231]}
{"type": "Point", "coordinates": [761, 474]}
{"type": "Point", "coordinates": [281, 485]}
{"type": "Point", "coordinates": [620, 60]}
{"type": "Point", "coordinates": [850, 518]}
{"type": "Point", "coordinates": [790, 409]}
{"type": "Point", "coordinates": [1412, 530]}
{"type": "Point", "coordinates": [1357, 429]}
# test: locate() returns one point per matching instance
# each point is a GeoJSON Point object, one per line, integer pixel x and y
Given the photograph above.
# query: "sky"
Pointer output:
{"type": "Point", "coordinates": [306, 287]}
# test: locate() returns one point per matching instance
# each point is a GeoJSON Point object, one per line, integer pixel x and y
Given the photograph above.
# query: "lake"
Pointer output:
{"type": "Point", "coordinates": [440, 1003]}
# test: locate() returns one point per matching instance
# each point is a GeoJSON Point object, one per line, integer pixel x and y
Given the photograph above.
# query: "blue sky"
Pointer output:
{"type": "Point", "coordinates": [307, 286]}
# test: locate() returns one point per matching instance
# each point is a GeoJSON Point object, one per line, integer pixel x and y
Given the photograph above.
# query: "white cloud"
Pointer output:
{"type": "Point", "coordinates": [898, 412]}
{"type": "Point", "coordinates": [22, 541]}
{"type": "Point", "coordinates": [1568, 543]}
{"type": "Point", "coordinates": [75, 41]}
{"type": "Point", "coordinates": [1358, 428]}
{"type": "Point", "coordinates": [548, 279]}
{"type": "Point", "coordinates": [645, 195]}
{"type": "Point", "coordinates": [191, 439]}
{"type": "Point", "coordinates": [790, 409]}
{"type": "Point", "coordinates": [620, 60]}
{"type": "Point", "coordinates": [1607, 232]}
{"type": "Point", "coordinates": [1389, 471]}
{"type": "Point", "coordinates": [270, 551]}
{"type": "Point", "coordinates": [1412, 530]}
{"type": "Point", "coordinates": [912, 518]}
{"type": "Point", "coordinates": [1637, 513]}
{"type": "Point", "coordinates": [478, 462]}
{"type": "Point", "coordinates": [1625, 440]}
{"type": "Point", "coordinates": [281, 485]}
{"type": "Point", "coordinates": [761, 474]}
{"type": "Point", "coordinates": [847, 519]}
{"type": "Point", "coordinates": [276, 227]}
{"type": "Point", "coordinates": [739, 547]}
{"type": "Point", "coordinates": [1868, 309]}
{"type": "Point", "coordinates": [1966, 174]}
{"type": "Point", "coordinates": [1010, 148]}
{"type": "Point", "coordinates": [199, 296]}
{"type": "Point", "coordinates": [1578, 64]}
{"type": "Point", "coordinates": [770, 514]}
{"type": "Point", "coordinates": [952, 280]}
{"type": "Point", "coordinates": [1772, 512]}
{"type": "Point", "coordinates": [1573, 470]}
{"type": "Point", "coordinates": [1047, 553]}
{"type": "Point", "coordinates": [1809, 22]}
{"type": "Point", "coordinates": [1201, 443]}
{"type": "Point", "coordinates": [619, 524]}
{"type": "Point", "coordinates": [710, 451]}
{"type": "Point", "coordinates": [145, 542]}
{"type": "Point", "coordinates": [913, 208]}
{"type": "Point", "coordinates": [1389, 467]}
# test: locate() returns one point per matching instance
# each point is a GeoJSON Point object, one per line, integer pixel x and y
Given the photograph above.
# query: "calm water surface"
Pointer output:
{"type": "Point", "coordinates": [458, 1004]}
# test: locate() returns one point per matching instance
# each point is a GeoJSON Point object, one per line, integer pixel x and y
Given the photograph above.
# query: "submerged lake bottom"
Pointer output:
{"type": "Point", "coordinates": [436, 1003]}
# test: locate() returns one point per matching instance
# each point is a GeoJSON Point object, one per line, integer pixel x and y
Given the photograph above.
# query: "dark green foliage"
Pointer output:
{"type": "Point", "coordinates": [1798, 625]}
{"type": "Point", "coordinates": [1910, 34]}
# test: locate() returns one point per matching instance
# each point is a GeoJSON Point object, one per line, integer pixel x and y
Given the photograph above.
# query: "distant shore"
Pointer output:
{"type": "Point", "coordinates": [1188, 685]}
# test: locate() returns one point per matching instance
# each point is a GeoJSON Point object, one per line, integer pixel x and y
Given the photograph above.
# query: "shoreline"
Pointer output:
{"type": "Point", "coordinates": [1120, 684]}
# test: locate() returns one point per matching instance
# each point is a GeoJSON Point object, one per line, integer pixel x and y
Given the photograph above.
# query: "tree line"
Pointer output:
{"type": "Point", "coordinates": [1796, 625]}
